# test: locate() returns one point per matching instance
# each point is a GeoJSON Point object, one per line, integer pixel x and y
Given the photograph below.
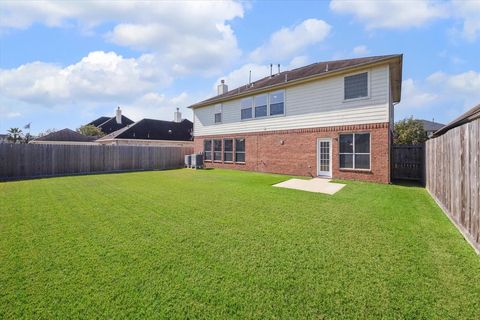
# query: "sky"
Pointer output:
{"type": "Point", "coordinates": [65, 63]}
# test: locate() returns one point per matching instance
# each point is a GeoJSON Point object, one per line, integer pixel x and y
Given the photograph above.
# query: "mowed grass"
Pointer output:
{"type": "Point", "coordinates": [225, 244]}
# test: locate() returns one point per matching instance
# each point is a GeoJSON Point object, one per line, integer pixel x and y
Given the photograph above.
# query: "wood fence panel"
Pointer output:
{"type": "Point", "coordinates": [21, 161]}
{"type": "Point", "coordinates": [408, 162]}
{"type": "Point", "coordinates": [453, 177]}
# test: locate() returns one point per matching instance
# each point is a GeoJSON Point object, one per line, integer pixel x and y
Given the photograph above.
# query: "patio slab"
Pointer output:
{"type": "Point", "coordinates": [319, 185]}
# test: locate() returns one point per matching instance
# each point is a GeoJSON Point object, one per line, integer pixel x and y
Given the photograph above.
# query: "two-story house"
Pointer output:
{"type": "Point", "coordinates": [331, 119]}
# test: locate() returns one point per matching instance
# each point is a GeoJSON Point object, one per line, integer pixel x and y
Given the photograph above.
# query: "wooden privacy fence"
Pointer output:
{"type": "Point", "coordinates": [20, 161]}
{"type": "Point", "coordinates": [408, 162]}
{"type": "Point", "coordinates": [453, 177]}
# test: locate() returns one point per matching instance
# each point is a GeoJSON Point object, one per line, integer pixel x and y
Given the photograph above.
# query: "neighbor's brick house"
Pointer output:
{"type": "Point", "coordinates": [331, 119]}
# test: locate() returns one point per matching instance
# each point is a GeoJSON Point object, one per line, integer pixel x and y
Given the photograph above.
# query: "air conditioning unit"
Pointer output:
{"type": "Point", "coordinates": [188, 161]}
{"type": "Point", "coordinates": [197, 161]}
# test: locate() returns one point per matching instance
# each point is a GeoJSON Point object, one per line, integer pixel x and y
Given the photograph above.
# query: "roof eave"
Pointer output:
{"type": "Point", "coordinates": [396, 96]}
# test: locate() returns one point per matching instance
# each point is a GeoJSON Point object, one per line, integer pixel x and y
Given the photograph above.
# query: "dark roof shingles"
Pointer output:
{"type": "Point", "coordinates": [151, 129]}
{"type": "Point", "coordinates": [297, 74]}
{"type": "Point", "coordinates": [66, 135]}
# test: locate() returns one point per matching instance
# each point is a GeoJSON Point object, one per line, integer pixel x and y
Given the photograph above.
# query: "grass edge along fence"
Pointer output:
{"type": "Point", "coordinates": [25, 161]}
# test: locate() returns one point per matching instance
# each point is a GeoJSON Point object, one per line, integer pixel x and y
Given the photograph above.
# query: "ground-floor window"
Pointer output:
{"type": "Point", "coordinates": [354, 151]}
{"type": "Point", "coordinates": [207, 149]}
{"type": "Point", "coordinates": [240, 150]}
{"type": "Point", "coordinates": [217, 150]}
{"type": "Point", "coordinates": [228, 150]}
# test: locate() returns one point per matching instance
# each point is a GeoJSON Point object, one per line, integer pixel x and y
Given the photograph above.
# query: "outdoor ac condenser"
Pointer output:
{"type": "Point", "coordinates": [197, 161]}
{"type": "Point", "coordinates": [188, 161]}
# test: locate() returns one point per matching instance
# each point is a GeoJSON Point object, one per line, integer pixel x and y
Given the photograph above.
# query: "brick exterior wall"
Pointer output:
{"type": "Point", "coordinates": [294, 152]}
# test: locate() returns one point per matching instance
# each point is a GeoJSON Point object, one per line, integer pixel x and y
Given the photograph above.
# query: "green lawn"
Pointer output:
{"type": "Point", "coordinates": [225, 244]}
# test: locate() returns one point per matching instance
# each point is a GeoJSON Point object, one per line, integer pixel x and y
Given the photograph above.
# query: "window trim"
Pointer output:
{"type": "Point", "coordinates": [254, 113]}
{"type": "Point", "coordinates": [252, 99]}
{"type": "Point", "coordinates": [368, 72]}
{"type": "Point", "coordinates": [353, 153]}
{"type": "Point", "coordinates": [284, 103]}
{"type": "Point", "coordinates": [211, 150]}
{"type": "Point", "coordinates": [221, 150]}
{"type": "Point", "coordinates": [235, 150]}
{"type": "Point", "coordinates": [232, 152]}
{"type": "Point", "coordinates": [215, 113]}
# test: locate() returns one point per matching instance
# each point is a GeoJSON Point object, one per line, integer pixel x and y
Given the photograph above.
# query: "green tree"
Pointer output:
{"type": "Point", "coordinates": [91, 131]}
{"type": "Point", "coordinates": [409, 131]}
{"type": "Point", "coordinates": [15, 135]}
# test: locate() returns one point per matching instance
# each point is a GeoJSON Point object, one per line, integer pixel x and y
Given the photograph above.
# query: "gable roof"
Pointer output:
{"type": "Point", "coordinates": [98, 121]}
{"type": "Point", "coordinates": [66, 135]}
{"type": "Point", "coordinates": [151, 129]}
{"type": "Point", "coordinates": [468, 116]}
{"type": "Point", "coordinates": [312, 72]}
{"type": "Point", "coordinates": [111, 124]}
{"type": "Point", "coordinates": [430, 125]}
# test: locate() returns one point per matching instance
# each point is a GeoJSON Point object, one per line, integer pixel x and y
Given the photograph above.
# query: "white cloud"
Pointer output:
{"type": "Point", "coordinates": [441, 95]}
{"type": "Point", "coordinates": [360, 50]}
{"type": "Point", "coordinates": [188, 36]}
{"type": "Point", "coordinates": [98, 77]}
{"type": "Point", "coordinates": [391, 14]}
{"type": "Point", "coordinates": [287, 42]}
{"type": "Point", "coordinates": [414, 96]}
{"type": "Point", "coordinates": [469, 12]}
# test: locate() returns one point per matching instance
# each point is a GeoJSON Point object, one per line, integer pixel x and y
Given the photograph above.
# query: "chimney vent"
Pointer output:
{"type": "Point", "coordinates": [118, 116]}
{"type": "Point", "coordinates": [222, 87]}
{"type": "Point", "coordinates": [278, 65]}
{"type": "Point", "coordinates": [177, 116]}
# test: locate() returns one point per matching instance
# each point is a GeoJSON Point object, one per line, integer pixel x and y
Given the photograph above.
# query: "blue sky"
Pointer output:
{"type": "Point", "coordinates": [63, 63]}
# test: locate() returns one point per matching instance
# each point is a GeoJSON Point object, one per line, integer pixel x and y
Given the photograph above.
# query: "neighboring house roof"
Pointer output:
{"type": "Point", "coordinates": [311, 72]}
{"type": "Point", "coordinates": [111, 124]}
{"type": "Point", "coordinates": [430, 126]}
{"type": "Point", "coordinates": [66, 135]}
{"type": "Point", "coordinates": [150, 129]}
{"type": "Point", "coordinates": [98, 121]}
{"type": "Point", "coordinates": [3, 136]}
{"type": "Point", "coordinates": [468, 116]}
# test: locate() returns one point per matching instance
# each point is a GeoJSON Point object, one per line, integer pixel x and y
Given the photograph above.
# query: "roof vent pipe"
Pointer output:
{"type": "Point", "coordinates": [271, 70]}
{"type": "Point", "coordinates": [250, 78]}
{"type": "Point", "coordinates": [278, 65]}
{"type": "Point", "coordinates": [326, 68]}
{"type": "Point", "coordinates": [286, 77]}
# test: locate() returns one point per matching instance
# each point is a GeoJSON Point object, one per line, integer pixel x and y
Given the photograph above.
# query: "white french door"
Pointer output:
{"type": "Point", "coordinates": [324, 157]}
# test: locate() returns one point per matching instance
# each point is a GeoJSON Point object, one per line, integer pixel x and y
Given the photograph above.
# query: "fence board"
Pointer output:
{"type": "Point", "coordinates": [21, 161]}
{"type": "Point", "coordinates": [453, 177]}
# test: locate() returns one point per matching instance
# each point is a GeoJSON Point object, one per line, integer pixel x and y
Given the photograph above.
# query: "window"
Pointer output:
{"type": "Point", "coordinates": [218, 113]}
{"type": "Point", "coordinates": [240, 150]}
{"type": "Point", "coordinates": [261, 105]}
{"type": "Point", "coordinates": [207, 149]}
{"type": "Point", "coordinates": [217, 150]}
{"type": "Point", "coordinates": [228, 150]}
{"type": "Point", "coordinates": [355, 151]}
{"type": "Point", "coordinates": [276, 103]}
{"type": "Point", "coordinates": [356, 86]}
{"type": "Point", "coordinates": [246, 108]}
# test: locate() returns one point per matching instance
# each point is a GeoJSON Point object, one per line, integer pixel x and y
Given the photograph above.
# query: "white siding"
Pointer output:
{"type": "Point", "coordinates": [314, 104]}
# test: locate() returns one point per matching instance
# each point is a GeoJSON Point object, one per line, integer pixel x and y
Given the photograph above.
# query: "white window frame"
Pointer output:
{"type": "Point", "coordinates": [354, 153]}
{"type": "Point", "coordinates": [231, 152]}
{"type": "Point", "coordinates": [211, 149]}
{"type": "Point", "coordinates": [252, 99]}
{"type": "Point", "coordinates": [254, 115]}
{"type": "Point", "coordinates": [235, 150]}
{"type": "Point", "coordinates": [284, 103]}
{"type": "Point", "coordinates": [214, 151]}
{"type": "Point", "coordinates": [368, 72]}
{"type": "Point", "coordinates": [218, 107]}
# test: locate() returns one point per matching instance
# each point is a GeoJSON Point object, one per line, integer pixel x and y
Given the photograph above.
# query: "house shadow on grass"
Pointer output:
{"type": "Point", "coordinates": [408, 183]}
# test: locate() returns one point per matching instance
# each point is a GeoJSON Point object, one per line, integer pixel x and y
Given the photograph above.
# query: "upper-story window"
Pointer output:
{"type": "Point", "coordinates": [218, 113]}
{"type": "Point", "coordinates": [277, 102]}
{"type": "Point", "coordinates": [261, 104]}
{"type": "Point", "coordinates": [246, 106]}
{"type": "Point", "coordinates": [356, 86]}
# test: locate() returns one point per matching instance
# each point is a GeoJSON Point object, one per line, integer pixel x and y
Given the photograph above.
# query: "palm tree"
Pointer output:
{"type": "Point", "coordinates": [14, 135]}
